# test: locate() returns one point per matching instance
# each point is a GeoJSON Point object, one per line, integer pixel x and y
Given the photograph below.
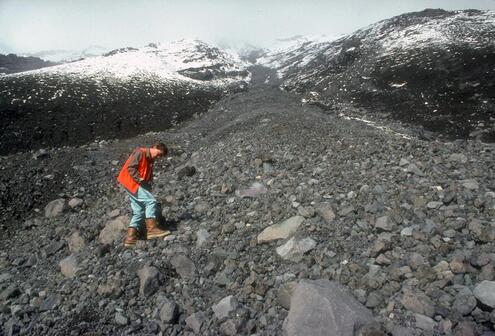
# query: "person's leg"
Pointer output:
{"type": "Point", "coordinates": [138, 211]}
{"type": "Point", "coordinates": [150, 203]}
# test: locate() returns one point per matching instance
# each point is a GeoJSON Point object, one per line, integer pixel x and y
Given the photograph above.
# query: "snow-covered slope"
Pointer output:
{"type": "Point", "coordinates": [433, 68]}
{"type": "Point", "coordinates": [122, 93]}
{"type": "Point", "coordinates": [188, 60]}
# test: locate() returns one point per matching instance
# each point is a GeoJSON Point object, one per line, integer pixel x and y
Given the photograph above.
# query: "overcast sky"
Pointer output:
{"type": "Point", "coordinates": [29, 26]}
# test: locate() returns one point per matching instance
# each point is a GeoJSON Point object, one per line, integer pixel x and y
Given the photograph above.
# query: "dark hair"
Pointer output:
{"type": "Point", "coordinates": [160, 146]}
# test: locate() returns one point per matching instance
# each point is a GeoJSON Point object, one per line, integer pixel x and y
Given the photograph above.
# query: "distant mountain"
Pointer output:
{"type": "Point", "coordinates": [432, 68]}
{"type": "Point", "coordinates": [12, 63]}
{"type": "Point", "coordinates": [67, 55]}
{"type": "Point", "coordinates": [126, 92]}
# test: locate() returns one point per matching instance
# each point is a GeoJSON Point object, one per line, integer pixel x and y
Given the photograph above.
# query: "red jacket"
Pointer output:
{"type": "Point", "coordinates": [137, 169]}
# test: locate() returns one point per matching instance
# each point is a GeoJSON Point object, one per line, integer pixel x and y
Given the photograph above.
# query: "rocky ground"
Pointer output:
{"type": "Point", "coordinates": [261, 193]}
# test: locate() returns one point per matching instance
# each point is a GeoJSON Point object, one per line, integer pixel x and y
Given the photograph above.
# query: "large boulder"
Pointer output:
{"type": "Point", "coordinates": [281, 230]}
{"type": "Point", "coordinates": [321, 307]}
{"type": "Point", "coordinates": [113, 229]}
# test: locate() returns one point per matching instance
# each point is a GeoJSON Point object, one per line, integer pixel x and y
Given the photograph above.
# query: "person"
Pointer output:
{"type": "Point", "coordinates": [136, 177]}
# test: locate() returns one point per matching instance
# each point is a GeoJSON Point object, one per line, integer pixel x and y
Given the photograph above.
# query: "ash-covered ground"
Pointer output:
{"type": "Point", "coordinates": [405, 224]}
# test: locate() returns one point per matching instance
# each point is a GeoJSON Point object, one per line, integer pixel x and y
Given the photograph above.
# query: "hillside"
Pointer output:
{"type": "Point", "coordinates": [121, 94]}
{"type": "Point", "coordinates": [431, 69]}
{"type": "Point", "coordinates": [12, 63]}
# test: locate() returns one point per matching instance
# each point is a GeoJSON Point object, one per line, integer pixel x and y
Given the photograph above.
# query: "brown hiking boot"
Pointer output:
{"type": "Point", "coordinates": [131, 238]}
{"type": "Point", "coordinates": [153, 231]}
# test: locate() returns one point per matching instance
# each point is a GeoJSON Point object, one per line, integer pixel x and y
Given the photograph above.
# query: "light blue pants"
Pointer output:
{"type": "Point", "coordinates": [143, 205]}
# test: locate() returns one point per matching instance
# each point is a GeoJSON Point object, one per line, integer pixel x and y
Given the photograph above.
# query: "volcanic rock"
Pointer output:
{"type": "Point", "coordinates": [76, 242]}
{"type": "Point", "coordinates": [69, 266]}
{"type": "Point", "coordinates": [149, 280]}
{"type": "Point", "coordinates": [225, 306]}
{"type": "Point", "coordinates": [485, 293]}
{"type": "Point", "coordinates": [55, 208]}
{"type": "Point", "coordinates": [195, 321]}
{"type": "Point", "coordinates": [184, 266]}
{"type": "Point", "coordinates": [294, 249]}
{"type": "Point", "coordinates": [113, 229]}
{"type": "Point", "coordinates": [320, 306]}
{"type": "Point", "coordinates": [280, 231]}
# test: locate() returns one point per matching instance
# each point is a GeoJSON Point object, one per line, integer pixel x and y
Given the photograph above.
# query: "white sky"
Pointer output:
{"type": "Point", "coordinates": [28, 26]}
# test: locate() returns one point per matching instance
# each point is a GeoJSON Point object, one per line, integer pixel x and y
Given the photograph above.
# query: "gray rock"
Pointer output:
{"type": "Point", "coordinates": [285, 293]}
{"type": "Point", "coordinates": [294, 249]}
{"type": "Point", "coordinates": [169, 311]}
{"type": "Point", "coordinates": [186, 171]}
{"type": "Point", "coordinates": [465, 329]}
{"type": "Point", "coordinates": [254, 190]}
{"type": "Point", "coordinates": [407, 232]}
{"type": "Point", "coordinates": [4, 277]}
{"type": "Point", "coordinates": [228, 328]}
{"type": "Point", "coordinates": [464, 304]}
{"type": "Point", "coordinates": [202, 236]}
{"type": "Point", "coordinates": [485, 293]}
{"type": "Point", "coordinates": [114, 213]}
{"type": "Point", "coordinates": [418, 302]}
{"type": "Point", "coordinates": [149, 280]}
{"type": "Point", "coordinates": [370, 329]}
{"type": "Point", "coordinates": [69, 266]}
{"type": "Point", "coordinates": [306, 212]}
{"type": "Point", "coordinates": [76, 242]}
{"type": "Point", "coordinates": [75, 203]}
{"type": "Point", "coordinates": [326, 212]}
{"type": "Point", "coordinates": [281, 230]}
{"type": "Point", "coordinates": [470, 184]}
{"type": "Point", "coordinates": [458, 157]}
{"type": "Point", "coordinates": [380, 246]}
{"type": "Point", "coordinates": [415, 261]}
{"type": "Point", "coordinates": [50, 303]}
{"type": "Point", "coordinates": [225, 306]}
{"type": "Point", "coordinates": [113, 229]}
{"type": "Point", "coordinates": [55, 208]}
{"type": "Point", "coordinates": [184, 266]}
{"type": "Point", "coordinates": [267, 168]}
{"type": "Point", "coordinates": [120, 319]}
{"type": "Point", "coordinates": [434, 205]}
{"type": "Point", "coordinates": [195, 321]}
{"type": "Point", "coordinates": [424, 322]}
{"type": "Point", "coordinates": [384, 223]}
{"type": "Point", "coordinates": [110, 288]}
{"type": "Point", "coordinates": [413, 169]}
{"type": "Point", "coordinates": [9, 292]}
{"type": "Point", "coordinates": [319, 307]}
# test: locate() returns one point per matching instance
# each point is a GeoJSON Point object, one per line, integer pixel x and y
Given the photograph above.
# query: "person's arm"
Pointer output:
{"type": "Point", "coordinates": [132, 168]}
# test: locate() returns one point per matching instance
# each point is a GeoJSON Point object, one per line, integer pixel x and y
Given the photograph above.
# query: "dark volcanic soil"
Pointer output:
{"type": "Point", "coordinates": [410, 217]}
